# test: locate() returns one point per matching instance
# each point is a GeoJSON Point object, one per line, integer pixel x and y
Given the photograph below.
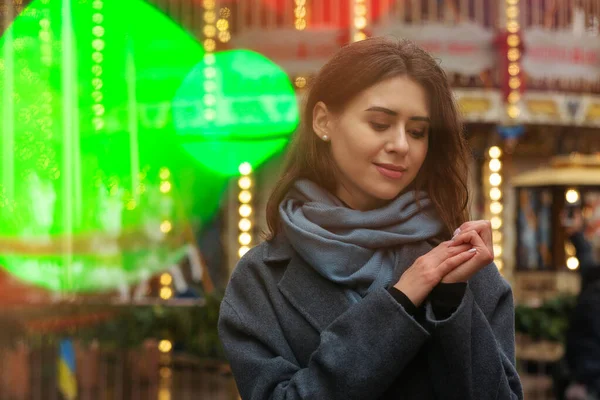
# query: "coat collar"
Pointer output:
{"type": "Point", "coordinates": [318, 300]}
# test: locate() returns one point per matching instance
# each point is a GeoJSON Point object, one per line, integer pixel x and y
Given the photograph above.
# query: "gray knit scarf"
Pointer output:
{"type": "Point", "coordinates": [358, 250]}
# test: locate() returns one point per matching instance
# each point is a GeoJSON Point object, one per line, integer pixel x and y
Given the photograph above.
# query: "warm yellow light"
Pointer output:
{"type": "Point", "coordinates": [513, 111]}
{"type": "Point", "coordinates": [495, 152]}
{"type": "Point", "coordinates": [209, 3]}
{"type": "Point", "coordinates": [513, 54]}
{"type": "Point", "coordinates": [245, 210]}
{"type": "Point", "coordinates": [495, 194]}
{"type": "Point", "coordinates": [499, 264]}
{"type": "Point", "coordinates": [165, 346]}
{"type": "Point", "coordinates": [210, 17]}
{"type": "Point", "coordinates": [245, 196]}
{"type": "Point", "coordinates": [166, 293]}
{"type": "Point", "coordinates": [224, 37]}
{"type": "Point", "coordinates": [360, 9]}
{"type": "Point", "coordinates": [222, 25]}
{"type": "Point", "coordinates": [514, 83]}
{"type": "Point", "coordinates": [497, 250]}
{"type": "Point", "coordinates": [512, 12]}
{"type": "Point", "coordinates": [210, 31]}
{"type": "Point", "coordinates": [300, 24]}
{"type": "Point", "coordinates": [360, 22]}
{"type": "Point", "coordinates": [300, 12]}
{"type": "Point", "coordinates": [245, 182]}
{"type": "Point", "coordinates": [245, 168]}
{"type": "Point", "coordinates": [570, 249]}
{"type": "Point", "coordinates": [513, 69]}
{"type": "Point", "coordinates": [165, 187]}
{"type": "Point", "coordinates": [495, 179]}
{"type": "Point", "coordinates": [245, 225]}
{"type": "Point", "coordinates": [300, 82]}
{"type": "Point", "coordinates": [225, 12]}
{"type": "Point", "coordinates": [496, 222]}
{"type": "Point", "coordinates": [514, 97]}
{"type": "Point", "coordinates": [164, 173]}
{"type": "Point", "coordinates": [358, 36]}
{"type": "Point", "coordinates": [495, 165]}
{"type": "Point", "coordinates": [243, 250]}
{"type": "Point", "coordinates": [572, 196]}
{"type": "Point", "coordinates": [166, 279]}
{"type": "Point", "coordinates": [512, 26]}
{"type": "Point", "coordinates": [572, 263]}
{"type": "Point", "coordinates": [496, 207]}
{"type": "Point", "coordinates": [210, 45]}
{"type": "Point", "coordinates": [512, 2]}
{"type": "Point", "coordinates": [245, 238]}
{"type": "Point", "coordinates": [165, 227]}
{"type": "Point", "coordinates": [497, 236]}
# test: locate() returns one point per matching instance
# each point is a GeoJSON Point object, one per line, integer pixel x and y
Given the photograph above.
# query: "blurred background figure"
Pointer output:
{"type": "Point", "coordinates": [583, 338]}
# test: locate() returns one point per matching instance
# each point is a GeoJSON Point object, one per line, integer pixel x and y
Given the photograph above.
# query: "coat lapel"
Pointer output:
{"type": "Point", "coordinates": [316, 298]}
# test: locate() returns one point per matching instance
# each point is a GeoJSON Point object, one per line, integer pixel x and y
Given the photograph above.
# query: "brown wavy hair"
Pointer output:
{"type": "Point", "coordinates": [350, 71]}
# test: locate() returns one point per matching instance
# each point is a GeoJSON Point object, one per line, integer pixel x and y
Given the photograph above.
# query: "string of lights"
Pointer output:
{"type": "Point", "coordinates": [245, 209]}
{"type": "Point", "coordinates": [494, 203]}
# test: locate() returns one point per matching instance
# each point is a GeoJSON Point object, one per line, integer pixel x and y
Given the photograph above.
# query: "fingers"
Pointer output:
{"type": "Point", "coordinates": [447, 249]}
{"type": "Point", "coordinates": [453, 262]}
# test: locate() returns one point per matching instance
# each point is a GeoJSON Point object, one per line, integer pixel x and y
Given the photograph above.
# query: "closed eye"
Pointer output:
{"type": "Point", "coordinates": [379, 127]}
{"type": "Point", "coordinates": [418, 133]}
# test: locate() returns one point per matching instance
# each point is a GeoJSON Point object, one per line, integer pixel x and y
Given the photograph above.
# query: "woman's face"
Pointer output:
{"type": "Point", "coordinates": [378, 142]}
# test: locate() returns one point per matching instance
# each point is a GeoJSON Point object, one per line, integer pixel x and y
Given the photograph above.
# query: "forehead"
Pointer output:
{"type": "Point", "coordinates": [400, 94]}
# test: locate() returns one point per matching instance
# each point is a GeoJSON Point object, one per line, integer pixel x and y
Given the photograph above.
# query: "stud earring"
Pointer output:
{"type": "Point", "coordinates": [325, 138]}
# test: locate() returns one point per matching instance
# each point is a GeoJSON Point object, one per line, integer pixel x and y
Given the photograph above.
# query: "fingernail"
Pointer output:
{"type": "Point", "coordinates": [456, 232]}
{"type": "Point", "coordinates": [473, 250]}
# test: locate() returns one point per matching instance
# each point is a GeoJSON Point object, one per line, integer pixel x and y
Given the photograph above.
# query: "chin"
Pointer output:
{"type": "Point", "coordinates": [386, 193]}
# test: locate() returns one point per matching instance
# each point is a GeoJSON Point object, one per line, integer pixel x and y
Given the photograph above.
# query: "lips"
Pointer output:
{"type": "Point", "coordinates": [390, 170]}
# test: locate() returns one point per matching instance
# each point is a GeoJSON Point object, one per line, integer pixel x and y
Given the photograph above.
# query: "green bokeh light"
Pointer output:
{"type": "Point", "coordinates": [86, 128]}
{"type": "Point", "coordinates": [234, 107]}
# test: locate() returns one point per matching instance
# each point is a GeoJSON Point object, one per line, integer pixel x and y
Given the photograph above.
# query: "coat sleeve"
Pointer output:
{"type": "Point", "coordinates": [473, 351]}
{"type": "Point", "coordinates": [359, 356]}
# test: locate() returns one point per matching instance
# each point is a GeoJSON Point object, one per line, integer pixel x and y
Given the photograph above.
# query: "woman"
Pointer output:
{"type": "Point", "coordinates": [355, 295]}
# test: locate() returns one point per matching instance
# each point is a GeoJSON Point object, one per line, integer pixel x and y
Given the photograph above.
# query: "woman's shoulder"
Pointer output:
{"type": "Point", "coordinates": [263, 264]}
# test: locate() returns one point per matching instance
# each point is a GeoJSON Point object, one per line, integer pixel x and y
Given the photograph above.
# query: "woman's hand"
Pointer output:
{"type": "Point", "coordinates": [478, 234]}
{"type": "Point", "coordinates": [428, 270]}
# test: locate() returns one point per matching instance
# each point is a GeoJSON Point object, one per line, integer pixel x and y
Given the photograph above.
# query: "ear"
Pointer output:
{"type": "Point", "coordinates": [322, 120]}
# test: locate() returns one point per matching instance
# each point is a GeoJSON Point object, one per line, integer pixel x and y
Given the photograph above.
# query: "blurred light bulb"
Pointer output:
{"type": "Point", "coordinates": [495, 165]}
{"type": "Point", "coordinates": [243, 250]}
{"type": "Point", "coordinates": [244, 182]}
{"type": "Point", "coordinates": [572, 196]}
{"type": "Point", "coordinates": [496, 207]}
{"type": "Point", "coordinates": [245, 239]}
{"type": "Point", "coordinates": [572, 263]}
{"type": "Point", "coordinates": [165, 346]}
{"type": "Point", "coordinates": [245, 196]}
{"type": "Point", "coordinates": [495, 179]}
{"type": "Point", "coordinates": [245, 225]}
{"type": "Point", "coordinates": [495, 152]}
{"type": "Point", "coordinates": [495, 194]}
{"type": "Point", "coordinates": [245, 168]}
{"type": "Point", "coordinates": [496, 222]}
{"type": "Point", "coordinates": [245, 210]}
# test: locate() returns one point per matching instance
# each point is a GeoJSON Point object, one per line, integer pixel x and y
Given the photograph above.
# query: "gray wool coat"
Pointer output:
{"type": "Point", "coordinates": [290, 334]}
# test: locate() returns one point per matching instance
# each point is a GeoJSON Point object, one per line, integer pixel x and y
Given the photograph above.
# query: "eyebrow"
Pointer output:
{"type": "Point", "coordinates": [395, 114]}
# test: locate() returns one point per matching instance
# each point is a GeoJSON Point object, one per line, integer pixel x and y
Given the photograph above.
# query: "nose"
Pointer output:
{"type": "Point", "coordinates": [398, 141]}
